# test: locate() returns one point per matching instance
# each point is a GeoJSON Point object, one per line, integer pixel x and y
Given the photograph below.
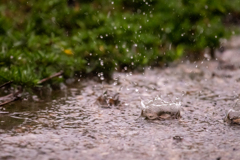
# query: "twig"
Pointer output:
{"type": "Point", "coordinates": [6, 84]}
{"type": "Point", "coordinates": [6, 97]}
{"type": "Point", "coordinates": [11, 100]}
{"type": "Point", "coordinates": [52, 76]}
{"type": "Point", "coordinates": [15, 97]}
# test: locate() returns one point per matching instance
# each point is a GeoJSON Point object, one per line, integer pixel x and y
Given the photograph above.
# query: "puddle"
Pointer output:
{"type": "Point", "coordinates": [71, 125]}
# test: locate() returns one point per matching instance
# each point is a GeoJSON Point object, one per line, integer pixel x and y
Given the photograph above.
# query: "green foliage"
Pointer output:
{"type": "Point", "coordinates": [39, 38]}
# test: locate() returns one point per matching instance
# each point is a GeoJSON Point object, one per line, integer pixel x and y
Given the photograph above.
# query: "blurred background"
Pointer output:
{"type": "Point", "coordinates": [92, 37]}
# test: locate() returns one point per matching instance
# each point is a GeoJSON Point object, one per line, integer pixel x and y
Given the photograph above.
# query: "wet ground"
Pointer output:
{"type": "Point", "coordinates": [71, 125]}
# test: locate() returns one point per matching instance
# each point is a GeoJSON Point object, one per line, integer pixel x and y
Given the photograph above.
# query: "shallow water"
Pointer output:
{"type": "Point", "coordinates": [71, 125]}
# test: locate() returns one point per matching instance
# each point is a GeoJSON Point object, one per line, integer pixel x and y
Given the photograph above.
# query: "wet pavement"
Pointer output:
{"type": "Point", "coordinates": [71, 124]}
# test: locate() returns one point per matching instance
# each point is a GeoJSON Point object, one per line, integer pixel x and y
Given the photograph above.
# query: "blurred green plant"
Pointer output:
{"type": "Point", "coordinates": [39, 38]}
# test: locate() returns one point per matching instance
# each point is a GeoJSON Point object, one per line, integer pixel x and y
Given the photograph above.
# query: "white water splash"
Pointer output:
{"type": "Point", "coordinates": [158, 105]}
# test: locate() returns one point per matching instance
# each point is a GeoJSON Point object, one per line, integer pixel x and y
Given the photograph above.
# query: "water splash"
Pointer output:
{"type": "Point", "coordinates": [233, 114]}
{"type": "Point", "coordinates": [158, 106]}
